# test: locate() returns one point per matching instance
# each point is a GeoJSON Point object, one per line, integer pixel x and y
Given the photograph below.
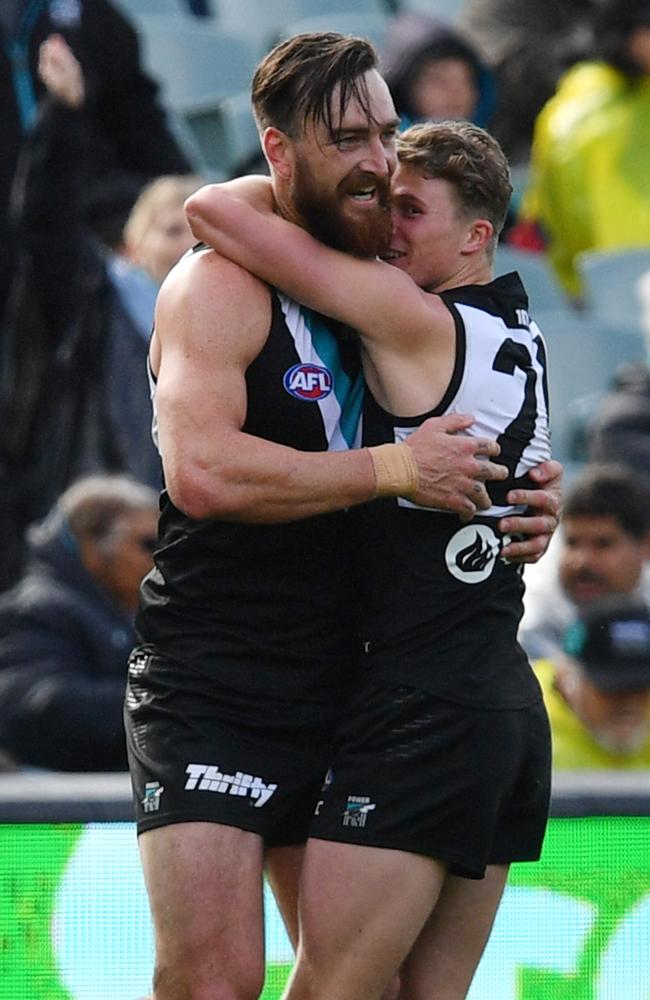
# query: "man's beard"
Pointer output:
{"type": "Point", "coordinates": [366, 234]}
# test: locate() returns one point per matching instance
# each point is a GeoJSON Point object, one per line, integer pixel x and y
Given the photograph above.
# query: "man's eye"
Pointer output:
{"type": "Point", "coordinates": [411, 210]}
{"type": "Point", "coordinates": [389, 137]}
{"type": "Point", "coordinates": [346, 142]}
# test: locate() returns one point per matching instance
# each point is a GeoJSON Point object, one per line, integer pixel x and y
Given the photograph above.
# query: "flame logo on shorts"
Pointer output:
{"type": "Point", "coordinates": [308, 382]}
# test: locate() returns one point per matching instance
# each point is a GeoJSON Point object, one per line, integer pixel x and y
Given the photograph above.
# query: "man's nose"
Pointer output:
{"type": "Point", "coordinates": [580, 555]}
{"type": "Point", "coordinates": [381, 158]}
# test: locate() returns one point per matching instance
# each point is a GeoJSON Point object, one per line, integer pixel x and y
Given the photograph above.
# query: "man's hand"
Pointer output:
{"type": "Point", "coordinates": [453, 468]}
{"type": "Point", "coordinates": [539, 528]}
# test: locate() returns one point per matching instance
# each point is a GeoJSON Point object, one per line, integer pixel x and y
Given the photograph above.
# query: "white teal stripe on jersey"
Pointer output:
{"type": "Point", "coordinates": [349, 393]}
{"type": "Point", "coordinates": [315, 344]}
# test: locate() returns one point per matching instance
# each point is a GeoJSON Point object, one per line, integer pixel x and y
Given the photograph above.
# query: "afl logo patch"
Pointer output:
{"type": "Point", "coordinates": [308, 382]}
{"type": "Point", "coordinates": [472, 552]}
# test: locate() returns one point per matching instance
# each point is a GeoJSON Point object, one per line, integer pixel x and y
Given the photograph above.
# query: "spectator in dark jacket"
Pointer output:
{"type": "Point", "coordinates": [434, 73]}
{"type": "Point", "coordinates": [66, 627]}
{"type": "Point", "coordinates": [528, 44]}
{"type": "Point", "coordinates": [131, 136]}
{"type": "Point", "coordinates": [74, 397]}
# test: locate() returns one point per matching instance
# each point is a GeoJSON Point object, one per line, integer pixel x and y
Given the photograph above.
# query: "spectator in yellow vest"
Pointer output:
{"type": "Point", "coordinates": [597, 692]}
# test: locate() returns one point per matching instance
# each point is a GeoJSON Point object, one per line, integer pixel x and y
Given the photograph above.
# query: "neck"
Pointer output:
{"type": "Point", "coordinates": [468, 272]}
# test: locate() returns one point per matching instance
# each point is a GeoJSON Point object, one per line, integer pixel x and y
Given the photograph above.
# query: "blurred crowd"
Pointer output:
{"type": "Point", "coordinates": [93, 176]}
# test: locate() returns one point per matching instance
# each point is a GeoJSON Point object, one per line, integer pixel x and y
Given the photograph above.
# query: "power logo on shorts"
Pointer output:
{"type": "Point", "coordinates": [357, 809]}
{"type": "Point", "coordinates": [308, 382]}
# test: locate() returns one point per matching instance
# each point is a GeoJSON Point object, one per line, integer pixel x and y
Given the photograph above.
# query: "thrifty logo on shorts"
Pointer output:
{"type": "Point", "coordinates": [208, 778]}
{"type": "Point", "coordinates": [357, 809]}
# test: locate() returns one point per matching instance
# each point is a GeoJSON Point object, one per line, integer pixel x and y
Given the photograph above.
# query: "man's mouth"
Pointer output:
{"type": "Point", "coordinates": [393, 255]}
{"type": "Point", "coordinates": [364, 194]}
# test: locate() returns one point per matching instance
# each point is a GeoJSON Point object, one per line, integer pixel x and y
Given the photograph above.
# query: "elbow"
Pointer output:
{"type": "Point", "coordinates": [201, 495]}
{"type": "Point", "coordinates": [200, 210]}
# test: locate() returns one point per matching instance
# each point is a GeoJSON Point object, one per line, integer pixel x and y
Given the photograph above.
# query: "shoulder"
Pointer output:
{"type": "Point", "coordinates": [40, 601]}
{"type": "Point", "coordinates": [584, 89]}
{"type": "Point", "coordinates": [206, 298]}
{"type": "Point", "coordinates": [204, 276]}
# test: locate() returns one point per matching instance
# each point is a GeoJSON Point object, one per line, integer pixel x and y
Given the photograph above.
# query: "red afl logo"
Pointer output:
{"type": "Point", "coordinates": [308, 382]}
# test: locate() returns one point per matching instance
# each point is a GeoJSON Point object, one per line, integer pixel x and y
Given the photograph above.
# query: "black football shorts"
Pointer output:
{"type": "Point", "coordinates": [219, 755]}
{"type": "Point", "coordinates": [412, 772]}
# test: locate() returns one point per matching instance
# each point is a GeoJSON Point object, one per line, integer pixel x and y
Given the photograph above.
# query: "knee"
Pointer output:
{"type": "Point", "coordinates": [182, 981]}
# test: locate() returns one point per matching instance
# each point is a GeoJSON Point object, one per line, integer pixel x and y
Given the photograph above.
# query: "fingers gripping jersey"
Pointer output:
{"type": "Point", "coordinates": [448, 620]}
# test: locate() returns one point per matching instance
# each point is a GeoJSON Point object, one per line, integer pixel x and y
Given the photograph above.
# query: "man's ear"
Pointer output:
{"type": "Point", "coordinates": [279, 152]}
{"type": "Point", "coordinates": [479, 235]}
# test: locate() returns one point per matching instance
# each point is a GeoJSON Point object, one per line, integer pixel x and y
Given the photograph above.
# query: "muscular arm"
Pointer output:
{"type": "Point", "coordinates": [237, 219]}
{"type": "Point", "coordinates": [212, 319]}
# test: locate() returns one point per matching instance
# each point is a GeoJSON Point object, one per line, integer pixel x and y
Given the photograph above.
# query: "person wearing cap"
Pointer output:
{"type": "Point", "coordinates": [597, 692]}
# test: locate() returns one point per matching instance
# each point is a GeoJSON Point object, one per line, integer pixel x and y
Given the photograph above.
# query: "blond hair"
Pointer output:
{"type": "Point", "coordinates": [163, 192]}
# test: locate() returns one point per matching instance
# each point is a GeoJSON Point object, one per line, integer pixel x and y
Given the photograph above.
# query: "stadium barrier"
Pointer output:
{"type": "Point", "coordinates": [74, 921]}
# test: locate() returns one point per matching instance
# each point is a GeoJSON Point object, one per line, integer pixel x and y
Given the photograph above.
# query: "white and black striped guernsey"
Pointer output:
{"type": "Point", "coordinates": [441, 610]}
{"type": "Point", "coordinates": [268, 606]}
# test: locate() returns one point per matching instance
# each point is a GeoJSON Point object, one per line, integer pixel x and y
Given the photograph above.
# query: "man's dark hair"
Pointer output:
{"type": "Point", "coordinates": [295, 82]}
{"type": "Point", "coordinates": [469, 158]}
{"type": "Point", "coordinates": [611, 491]}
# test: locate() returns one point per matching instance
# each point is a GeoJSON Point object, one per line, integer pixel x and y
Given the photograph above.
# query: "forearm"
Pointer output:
{"type": "Point", "coordinates": [250, 479]}
{"type": "Point", "coordinates": [204, 208]}
{"type": "Point", "coordinates": [237, 220]}
{"type": "Point", "coordinates": [259, 481]}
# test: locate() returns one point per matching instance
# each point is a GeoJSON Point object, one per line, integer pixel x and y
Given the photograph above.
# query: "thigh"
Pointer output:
{"type": "Point", "coordinates": [445, 956]}
{"type": "Point", "coordinates": [361, 909]}
{"type": "Point", "coordinates": [204, 883]}
{"type": "Point", "coordinates": [283, 870]}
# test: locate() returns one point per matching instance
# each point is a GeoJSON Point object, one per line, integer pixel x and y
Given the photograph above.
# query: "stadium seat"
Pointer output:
{"type": "Point", "coordinates": [610, 279]}
{"type": "Point", "coordinates": [584, 355]}
{"type": "Point", "coordinates": [195, 62]}
{"type": "Point", "coordinates": [136, 9]}
{"type": "Point", "coordinates": [266, 21]}
{"type": "Point", "coordinates": [442, 10]}
{"type": "Point", "coordinates": [260, 20]}
{"type": "Point", "coordinates": [314, 8]}
{"type": "Point", "coordinates": [372, 25]}
{"type": "Point", "coordinates": [225, 134]}
{"type": "Point", "coordinates": [544, 293]}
